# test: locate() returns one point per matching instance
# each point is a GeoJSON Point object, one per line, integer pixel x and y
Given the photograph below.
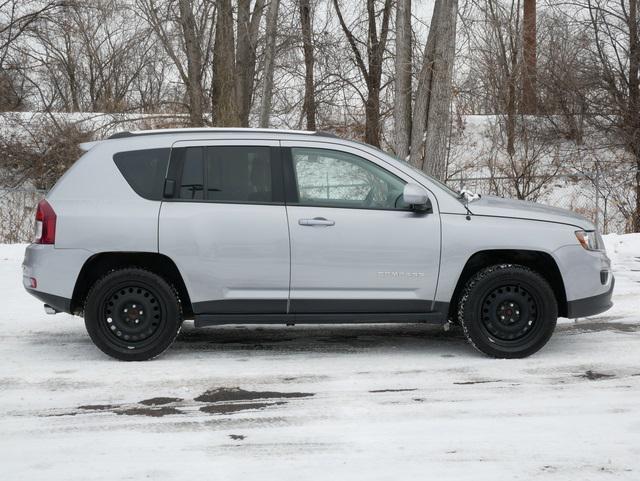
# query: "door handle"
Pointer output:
{"type": "Point", "coordinates": [316, 221]}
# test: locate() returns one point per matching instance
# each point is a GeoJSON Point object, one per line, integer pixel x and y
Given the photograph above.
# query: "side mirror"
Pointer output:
{"type": "Point", "coordinates": [416, 197]}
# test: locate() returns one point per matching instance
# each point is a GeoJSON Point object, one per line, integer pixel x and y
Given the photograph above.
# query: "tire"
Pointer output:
{"type": "Point", "coordinates": [132, 314]}
{"type": "Point", "coordinates": [508, 311]}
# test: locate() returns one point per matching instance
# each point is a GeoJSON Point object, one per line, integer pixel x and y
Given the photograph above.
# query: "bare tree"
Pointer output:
{"type": "Point", "coordinates": [371, 71]}
{"type": "Point", "coordinates": [403, 67]}
{"type": "Point", "coordinates": [616, 51]}
{"type": "Point", "coordinates": [309, 106]}
{"type": "Point", "coordinates": [194, 62]}
{"type": "Point", "coordinates": [529, 49]}
{"type": "Point", "coordinates": [632, 117]}
{"type": "Point", "coordinates": [16, 20]}
{"type": "Point", "coordinates": [269, 54]}
{"type": "Point", "coordinates": [225, 102]}
{"type": "Point", "coordinates": [185, 31]}
{"type": "Point", "coordinates": [565, 76]}
{"type": "Point", "coordinates": [431, 116]}
{"type": "Point", "coordinates": [247, 32]}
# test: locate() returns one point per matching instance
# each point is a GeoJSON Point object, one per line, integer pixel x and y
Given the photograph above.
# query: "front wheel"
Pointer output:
{"type": "Point", "coordinates": [132, 314]}
{"type": "Point", "coordinates": [508, 311]}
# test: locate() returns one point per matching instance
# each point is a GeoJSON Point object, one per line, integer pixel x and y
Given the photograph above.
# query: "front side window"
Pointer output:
{"type": "Point", "coordinates": [331, 178]}
{"type": "Point", "coordinates": [224, 174]}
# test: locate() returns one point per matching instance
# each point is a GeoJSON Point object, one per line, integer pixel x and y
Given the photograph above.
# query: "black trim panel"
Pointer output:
{"type": "Point", "coordinates": [241, 306]}
{"type": "Point", "coordinates": [323, 311]}
{"type": "Point", "coordinates": [590, 306]}
{"type": "Point", "coordinates": [354, 306]}
{"type": "Point", "coordinates": [61, 304]}
{"type": "Point", "coordinates": [202, 320]}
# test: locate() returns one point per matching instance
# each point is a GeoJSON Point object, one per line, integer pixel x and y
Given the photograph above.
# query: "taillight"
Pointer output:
{"type": "Point", "coordinates": [45, 224]}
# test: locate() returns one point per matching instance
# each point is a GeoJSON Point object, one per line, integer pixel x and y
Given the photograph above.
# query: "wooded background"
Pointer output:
{"type": "Point", "coordinates": [556, 83]}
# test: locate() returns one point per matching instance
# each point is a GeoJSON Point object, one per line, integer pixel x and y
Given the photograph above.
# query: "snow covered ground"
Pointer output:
{"type": "Point", "coordinates": [362, 402]}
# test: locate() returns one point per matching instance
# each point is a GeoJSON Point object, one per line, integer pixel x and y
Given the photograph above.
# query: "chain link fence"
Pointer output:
{"type": "Point", "coordinates": [17, 214]}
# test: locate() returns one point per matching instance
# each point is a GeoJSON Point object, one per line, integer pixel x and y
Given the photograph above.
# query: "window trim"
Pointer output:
{"type": "Point", "coordinates": [176, 166]}
{"type": "Point", "coordinates": [291, 182]}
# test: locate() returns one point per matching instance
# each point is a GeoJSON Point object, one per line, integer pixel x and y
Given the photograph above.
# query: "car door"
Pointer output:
{"type": "Point", "coordinates": [223, 222]}
{"type": "Point", "coordinates": [355, 247]}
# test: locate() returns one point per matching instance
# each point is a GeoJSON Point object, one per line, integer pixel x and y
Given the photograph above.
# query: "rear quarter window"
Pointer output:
{"type": "Point", "coordinates": [144, 170]}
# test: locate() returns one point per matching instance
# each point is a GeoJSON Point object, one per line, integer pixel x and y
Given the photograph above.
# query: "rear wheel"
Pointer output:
{"type": "Point", "coordinates": [508, 311]}
{"type": "Point", "coordinates": [132, 314]}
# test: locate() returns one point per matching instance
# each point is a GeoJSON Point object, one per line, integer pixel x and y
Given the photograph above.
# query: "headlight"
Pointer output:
{"type": "Point", "coordinates": [590, 240]}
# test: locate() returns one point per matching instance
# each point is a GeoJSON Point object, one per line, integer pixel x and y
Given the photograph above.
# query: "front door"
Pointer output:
{"type": "Point", "coordinates": [225, 226]}
{"type": "Point", "coordinates": [355, 247]}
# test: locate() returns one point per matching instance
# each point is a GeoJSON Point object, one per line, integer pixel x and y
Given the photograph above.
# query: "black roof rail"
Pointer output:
{"type": "Point", "coordinates": [120, 135]}
{"type": "Point", "coordinates": [125, 134]}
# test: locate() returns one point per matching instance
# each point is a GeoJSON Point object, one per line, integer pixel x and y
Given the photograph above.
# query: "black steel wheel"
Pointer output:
{"type": "Point", "coordinates": [132, 314]}
{"type": "Point", "coordinates": [508, 311]}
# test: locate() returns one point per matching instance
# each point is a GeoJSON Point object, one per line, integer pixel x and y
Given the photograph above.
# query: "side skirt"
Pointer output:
{"type": "Point", "coordinates": [435, 317]}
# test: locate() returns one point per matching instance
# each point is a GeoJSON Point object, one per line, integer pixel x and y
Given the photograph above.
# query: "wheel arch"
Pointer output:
{"type": "Point", "coordinates": [100, 264]}
{"type": "Point", "coordinates": [538, 261]}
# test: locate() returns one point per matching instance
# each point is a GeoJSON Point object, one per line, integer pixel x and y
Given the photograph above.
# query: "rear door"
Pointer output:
{"type": "Point", "coordinates": [355, 247]}
{"type": "Point", "coordinates": [225, 226]}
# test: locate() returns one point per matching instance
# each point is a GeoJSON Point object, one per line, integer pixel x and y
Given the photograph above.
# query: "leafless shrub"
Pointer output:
{"type": "Point", "coordinates": [38, 157]}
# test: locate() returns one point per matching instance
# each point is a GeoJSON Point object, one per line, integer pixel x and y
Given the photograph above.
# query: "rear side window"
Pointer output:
{"type": "Point", "coordinates": [192, 181]}
{"type": "Point", "coordinates": [225, 174]}
{"type": "Point", "coordinates": [240, 174]}
{"type": "Point", "coordinates": [144, 170]}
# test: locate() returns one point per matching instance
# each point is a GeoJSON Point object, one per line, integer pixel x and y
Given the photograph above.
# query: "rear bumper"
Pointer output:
{"type": "Point", "coordinates": [590, 306]}
{"type": "Point", "coordinates": [61, 304]}
{"type": "Point", "coordinates": [54, 271]}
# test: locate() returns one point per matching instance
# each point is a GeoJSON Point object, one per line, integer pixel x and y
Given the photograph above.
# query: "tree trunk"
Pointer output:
{"type": "Point", "coordinates": [194, 63]}
{"type": "Point", "coordinates": [225, 108]}
{"type": "Point", "coordinates": [529, 57]}
{"type": "Point", "coordinates": [309, 60]}
{"type": "Point", "coordinates": [376, 47]}
{"type": "Point", "coordinates": [245, 61]}
{"type": "Point", "coordinates": [402, 106]}
{"type": "Point", "coordinates": [429, 147]}
{"type": "Point", "coordinates": [372, 113]}
{"type": "Point", "coordinates": [439, 117]}
{"type": "Point", "coordinates": [423, 92]}
{"type": "Point", "coordinates": [269, 52]}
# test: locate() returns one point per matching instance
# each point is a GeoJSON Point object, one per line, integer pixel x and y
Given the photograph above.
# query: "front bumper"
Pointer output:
{"type": "Point", "coordinates": [590, 306]}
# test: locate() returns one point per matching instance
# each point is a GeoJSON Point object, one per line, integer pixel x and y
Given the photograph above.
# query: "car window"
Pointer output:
{"type": "Point", "coordinates": [224, 173]}
{"type": "Point", "coordinates": [192, 180]}
{"type": "Point", "coordinates": [332, 178]}
{"type": "Point", "coordinates": [240, 174]}
{"type": "Point", "coordinates": [144, 170]}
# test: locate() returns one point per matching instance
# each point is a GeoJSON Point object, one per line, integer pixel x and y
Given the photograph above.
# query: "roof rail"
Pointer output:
{"type": "Point", "coordinates": [125, 134]}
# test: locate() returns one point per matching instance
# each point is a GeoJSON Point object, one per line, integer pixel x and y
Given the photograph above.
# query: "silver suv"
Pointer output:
{"type": "Point", "coordinates": [262, 226]}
